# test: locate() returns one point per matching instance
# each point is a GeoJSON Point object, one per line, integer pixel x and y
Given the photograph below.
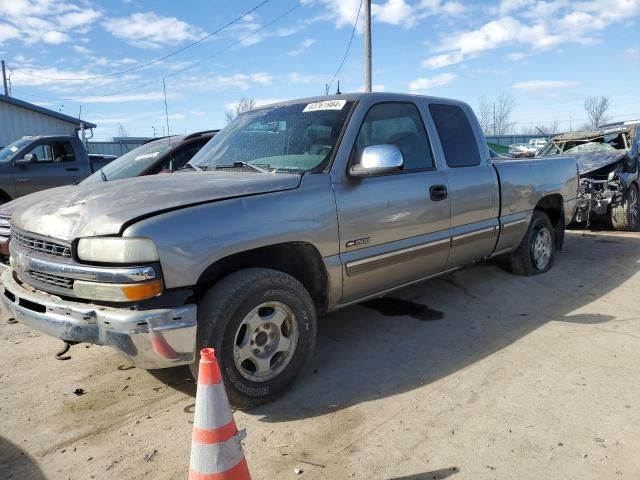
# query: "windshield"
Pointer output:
{"type": "Point", "coordinates": [294, 138]}
{"type": "Point", "coordinates": [131, 164]}
{"type": "Point", "coordinates": [591, 147]}
{"type": "Point", "coordinates": [599, 143]}
{"type": "Point", "coordinates": [8, 152]}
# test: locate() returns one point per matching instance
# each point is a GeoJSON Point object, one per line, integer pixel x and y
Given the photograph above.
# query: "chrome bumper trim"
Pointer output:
{"type": "Point", "coordinates": [149, 338]}
{"type": "Point", "coordinates": [26, 261]}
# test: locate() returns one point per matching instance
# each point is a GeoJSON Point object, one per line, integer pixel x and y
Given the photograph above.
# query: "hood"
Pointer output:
{"type": "Point", "coordinates": [7, 209]}
{"type": "Point", "coordinates": [104, 208]}
{"type": "Point", "coordinates": [591, 161]}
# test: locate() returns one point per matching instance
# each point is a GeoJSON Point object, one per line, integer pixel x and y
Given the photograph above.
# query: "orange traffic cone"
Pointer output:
{"type": "Point", "coordinates": [216, 452]}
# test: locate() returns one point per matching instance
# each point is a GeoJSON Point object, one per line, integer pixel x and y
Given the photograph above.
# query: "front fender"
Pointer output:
{"type": "Point", "coordinates": [191, 239]}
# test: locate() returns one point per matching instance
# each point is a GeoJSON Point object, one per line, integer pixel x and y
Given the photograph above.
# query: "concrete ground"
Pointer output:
{"type": "Point", "coordinates": [504, 377]}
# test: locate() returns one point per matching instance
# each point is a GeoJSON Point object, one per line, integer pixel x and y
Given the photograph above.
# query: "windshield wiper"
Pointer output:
{"type": "Point", "coordinates": [239, 164]}
{"type": "Point", "coordinates": [104, 177]}
{"type": "Point", "coordinates": [191, 166]}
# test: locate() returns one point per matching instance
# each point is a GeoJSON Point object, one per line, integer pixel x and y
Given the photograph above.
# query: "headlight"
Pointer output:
{"type": "Point", "coordinates": [117, 250]}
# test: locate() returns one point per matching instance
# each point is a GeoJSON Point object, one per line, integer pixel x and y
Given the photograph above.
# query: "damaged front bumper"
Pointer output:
{"type": "Point", "coordinates": [595, 197]}
{"type": "Point", "coordinates": [151, 339]}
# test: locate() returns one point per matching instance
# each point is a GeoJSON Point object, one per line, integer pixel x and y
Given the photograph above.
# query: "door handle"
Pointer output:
{"type": "Point", "coordinates": [72, 169]}
{"type": "Point", "coordinates": [23, 180]}
{"type": "Point", "coordinates": [438, 192]}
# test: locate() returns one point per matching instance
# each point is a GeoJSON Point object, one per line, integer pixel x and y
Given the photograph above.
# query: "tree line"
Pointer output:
{"type": "Point", "coordinates": [495, 116]}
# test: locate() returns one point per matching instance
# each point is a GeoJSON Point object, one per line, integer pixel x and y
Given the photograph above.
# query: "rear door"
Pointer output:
{"type": "Point", "coordinates": [391, 229]}
{"type": "Point", "coordinates": [473, 185]}
{"type": "Point", "coordinates": [54, 164]}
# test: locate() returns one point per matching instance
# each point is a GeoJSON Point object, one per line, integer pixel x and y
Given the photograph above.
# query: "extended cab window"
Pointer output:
{"type": "Point", "coordinates": [397, 124]}
{"type": "Point", "coordinates": [53, 152]}
{"type": "Point", "coordinates": [456, 135]}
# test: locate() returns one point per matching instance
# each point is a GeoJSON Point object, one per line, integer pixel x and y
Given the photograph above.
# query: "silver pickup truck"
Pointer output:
{"type": "Point", "coordinates": [292, 211]}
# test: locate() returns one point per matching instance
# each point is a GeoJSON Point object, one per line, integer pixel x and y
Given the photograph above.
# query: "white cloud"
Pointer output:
{"type": "Point", "coordinates": [631, 54]}
{"type": "Point", "coordinates": [8, 32]}
{"type": "Point", "coordinates": [44, 21]}
{"type": "Point", "coordinates": [78, 20]}
{"type": "Point", "coordinates": [82, 50]}
{"type": "Point", "coordinates": [135, 97]}
{"type": "Point", "coordinates": [517, 56]}
{"type": "Point", "coordinates": [435, 81]}
{"type": "Point", "coordinates": [394, 12]}
{"type": "Point", "coordinates": [241, 81]}
{"type": "Point", "coordinates": [150, 30]}
{"type": "Point", "coordinates": [302, 47]}
{"type": "Point", "coordinates": [54, 37]}
{"type": "Point", "coordinates": [543, 85]}
{"type": "Point", "coordinates": [197, 113]}
{"type": "Point", "coordinates": [540, 25]}
{"type": "Point", "coordinates": [444, 60]}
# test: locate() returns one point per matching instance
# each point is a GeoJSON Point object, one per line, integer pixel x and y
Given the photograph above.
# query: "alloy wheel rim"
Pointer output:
{"type": "Point", "coordinates": [265, 341]}
{"type": "Point", "coordinates": [541, 248]}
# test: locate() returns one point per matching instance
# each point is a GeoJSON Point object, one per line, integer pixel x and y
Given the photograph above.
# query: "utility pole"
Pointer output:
{"type": "Point", "coordinates": [367, 45]}
{"type": "Point", "coordinates": [4, 79]}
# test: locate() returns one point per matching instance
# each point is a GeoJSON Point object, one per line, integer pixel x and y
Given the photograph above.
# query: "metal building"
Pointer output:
{"type": "Point", "coordinates": [19, 119]}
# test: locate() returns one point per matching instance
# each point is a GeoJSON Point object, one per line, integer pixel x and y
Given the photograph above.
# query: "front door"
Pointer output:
{"type": "Point", "coordinates": [394, 227]}
{"type": "Point", "coordinates": [54, 164]}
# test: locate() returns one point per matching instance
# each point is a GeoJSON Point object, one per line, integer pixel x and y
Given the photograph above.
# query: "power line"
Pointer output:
{"type": "Point", "coordinates": [143, 65]}
{"type": "Point", "coordinates": [192, 64]}
{"type": "Point", "coordinates": [346, 53]}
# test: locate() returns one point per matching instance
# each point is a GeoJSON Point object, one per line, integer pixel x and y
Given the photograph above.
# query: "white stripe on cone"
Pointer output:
{"type": "Point", "coordinates": [216, 457]}
{"type": "Point", "coordinates": [213, 411]}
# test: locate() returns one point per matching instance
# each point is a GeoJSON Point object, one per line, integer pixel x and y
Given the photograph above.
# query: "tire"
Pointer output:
{"type": "Point", "coordinates": [283, 314]}
{"type": "Point", "coordinates": [527, 259]}
{"type": "Point", "coordinates": [625, 216]}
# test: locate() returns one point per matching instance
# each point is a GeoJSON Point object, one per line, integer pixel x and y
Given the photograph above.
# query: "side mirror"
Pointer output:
{"type": "Point", "coordinates": [28, 158]}
{"type": "Point", "coordinates": [377, 160]}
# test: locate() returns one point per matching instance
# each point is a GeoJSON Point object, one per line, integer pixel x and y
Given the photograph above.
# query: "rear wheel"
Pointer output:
{"type": "Point", "coordinates": [262, 324]}
{"type": "Point", "coordinates": [537, 251]}
{"type": "Point", "coordinates": [625, 216]}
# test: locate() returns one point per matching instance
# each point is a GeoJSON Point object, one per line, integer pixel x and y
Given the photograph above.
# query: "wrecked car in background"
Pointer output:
{"type": "Point", "coordinates": [607, 160]}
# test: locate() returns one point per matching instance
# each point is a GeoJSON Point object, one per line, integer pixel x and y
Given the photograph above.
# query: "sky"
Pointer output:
{"type": "Point", "coordinates": [107, 59]}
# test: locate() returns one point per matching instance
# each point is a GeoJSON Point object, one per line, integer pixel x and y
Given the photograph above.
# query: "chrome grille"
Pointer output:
{"type": "Point", "coordinates": [41, 245]}
{"type": "Point", "coordinates": [5, 228]}
{"type": "Point", "coordinates": [51, 279]}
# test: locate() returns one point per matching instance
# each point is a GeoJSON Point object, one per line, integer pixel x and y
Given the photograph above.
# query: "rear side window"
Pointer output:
{"type": "Point", "coordinates": [397, 124]}
{"type": "Point", "coordinates": [456, 136]}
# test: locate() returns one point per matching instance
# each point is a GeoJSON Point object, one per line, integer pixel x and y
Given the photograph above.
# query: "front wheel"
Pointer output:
{"type": "Point", "coordinates": [537, 251]}
{"type": "Point", "coordinates": [625, 216]}
{"type": "Point", "coordinates": [262, 323]}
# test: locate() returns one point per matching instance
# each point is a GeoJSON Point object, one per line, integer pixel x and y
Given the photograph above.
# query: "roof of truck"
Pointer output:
{"type": "Point", "coordinates": [354, 96]}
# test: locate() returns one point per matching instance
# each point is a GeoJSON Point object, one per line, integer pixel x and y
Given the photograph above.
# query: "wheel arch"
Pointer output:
{"type": "Point", "coordinates": [553, 206]}
{"type": "Point", "coordinates": [301, 260]}
{"type": "Point", "coordinates": [4, 197]}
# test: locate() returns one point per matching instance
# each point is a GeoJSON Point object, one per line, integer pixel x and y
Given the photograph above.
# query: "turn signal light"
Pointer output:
{"type": "Point", "coordinates": [142, 291]}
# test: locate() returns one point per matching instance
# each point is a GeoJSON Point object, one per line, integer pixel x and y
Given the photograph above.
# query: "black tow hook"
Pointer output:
{"type": "Point", "coordinates": [61, 354]}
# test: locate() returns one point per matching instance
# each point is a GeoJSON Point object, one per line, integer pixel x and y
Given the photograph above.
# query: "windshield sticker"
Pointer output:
{"type": "Point", "coordinates": [147, 155]}
{"type": "Point", "coordinates": [14, 149]}
{"type": "Point", "coordinates": [325, 105]}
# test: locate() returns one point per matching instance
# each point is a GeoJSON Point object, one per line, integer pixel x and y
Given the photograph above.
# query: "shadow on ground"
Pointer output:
{"type": "Point", "coordinates": [432, 475]}
{"type": "Point", "coordinates": [16, 464]}
{"type": "Point", "coordinates": [362, 355]}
